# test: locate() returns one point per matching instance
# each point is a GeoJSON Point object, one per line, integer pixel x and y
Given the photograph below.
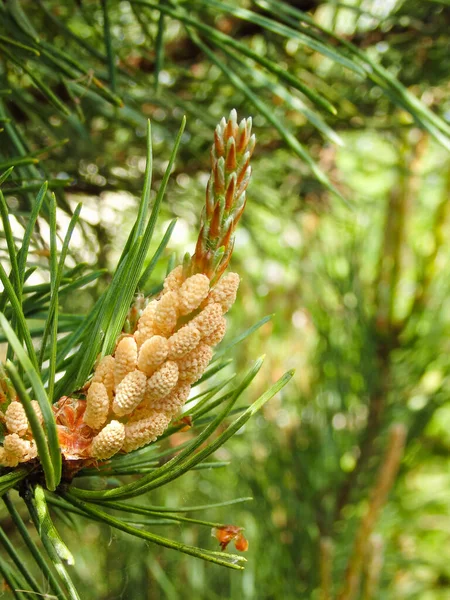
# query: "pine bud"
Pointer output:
{"type": "Point", "coordinates": [166, 313]}
{"type": "Point", "coordinates": [174, 280]}
{"type": "Point", "coordinates": [162, 382]}
{"type": "Point", "coordinates": [218, 334]}
{"type": "Point", "coordinates": [97, 405]}
{"type": "Point", "coordinates": [104, 373]}
{"type": "Point", "coordinates": [109, 441]}
{"type": "Point", "coordinates": [153, 353]}
{"type": "Point", "coordinates": [31, 452]}
{"type": "Point", "coordinates": [16, 447]}
{"type": "Point", "coordinates": [225, 197]}
{"type": "Point", "coordinates": [129, 393]}
{"type": "Point", "coordinates": [141, 412]}
{"type": "Point", "coordinates": [242, 136]}
{"type": "Point", "coordinates": [192, 293]}
{"type": "Point", "coordinates": [193, 365]}
{"type": "Point", "coordinates": [146, 325]}
{"type": "Point", "coordinates": [172, 403]}
{"type": "Point", "coordinates": [225, 291]}
{"type": "Point", "coordinates": [230, 161]}
{"type": "Point", "coordinates": [146, 430]}
{"type": "Point", "coordinates": [208, 320]}
{"type": "Point", "coordinates": [183, 341]}
{"type": "Point", "coordinates": [6, 459]}
{"type": "Point", "coordinates": [125, 358]}
{"type": "Point", "coordinates": [16, 418]}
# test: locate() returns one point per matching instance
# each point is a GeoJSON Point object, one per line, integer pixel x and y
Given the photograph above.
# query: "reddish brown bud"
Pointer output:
{"type": "Point", "coordinates": [242, 137]}
{"type": "Point", "coordinates": [219, 176]}
{"type": "Point", "coordinates": [230, 163]}
{"type": "Point", "coordinates": [227, 237]}
{"type": "Point", "coordinates": [209, 205]}
{"type": "Point", "coordinates": [228, 130]}
{"type": "Point", "coordinates": [218, 143]}
{"type": "Point", "coordinates": [231, 188]}
{"type": "Point", "coordinates": [214, 229]}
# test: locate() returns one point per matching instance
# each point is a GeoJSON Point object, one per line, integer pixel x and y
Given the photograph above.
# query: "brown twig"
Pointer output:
{"type": "Point", "coordinates": [378, 497]}
{"type": "Point", "coordinates": [373, 568]}
{"type": "Point", "coordinates": [326, 559]}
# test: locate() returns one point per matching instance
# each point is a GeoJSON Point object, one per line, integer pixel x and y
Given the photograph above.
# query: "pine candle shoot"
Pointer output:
{"type": "Point", "coordinates": [134, 393]}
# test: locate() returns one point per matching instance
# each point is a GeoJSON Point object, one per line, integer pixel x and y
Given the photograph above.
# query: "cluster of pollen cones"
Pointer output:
{"type": "Point", "coordinates": [134, 393]}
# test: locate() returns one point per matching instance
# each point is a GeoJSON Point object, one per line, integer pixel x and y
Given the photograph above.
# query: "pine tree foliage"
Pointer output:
{"type": "Point", "coordinates": [51, 479]}
{"type": "Point", "coordinates": [80, 79]}
{"type": "Point", "coordinates": [66, 72]}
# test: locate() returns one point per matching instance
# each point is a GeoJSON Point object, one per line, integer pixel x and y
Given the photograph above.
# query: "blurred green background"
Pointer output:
{"type": "Point", "coordinates": [359, 293]}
